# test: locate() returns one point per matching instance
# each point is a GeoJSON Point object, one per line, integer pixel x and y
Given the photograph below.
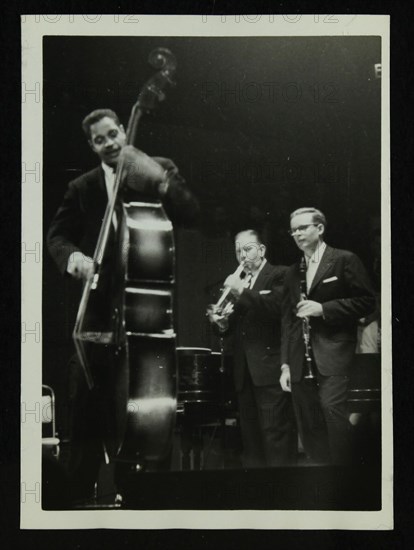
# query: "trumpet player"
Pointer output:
{"type": "Point", "coordinates": [251, 312]}
{"type": "Point", "coordinates": [337, 293]}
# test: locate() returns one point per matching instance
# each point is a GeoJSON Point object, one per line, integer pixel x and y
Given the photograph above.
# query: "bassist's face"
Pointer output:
{"type": "Point", "coordinates": [107, 140]}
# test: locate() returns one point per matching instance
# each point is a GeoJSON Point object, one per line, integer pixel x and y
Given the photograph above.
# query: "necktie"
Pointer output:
{"type": "Point", "coordinates": [248, 280]}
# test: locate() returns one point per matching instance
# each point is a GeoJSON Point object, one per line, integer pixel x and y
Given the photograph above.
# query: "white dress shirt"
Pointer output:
{"type": "Point", "coordinates": [109, 179]}
{"type": "Point", "coordinates": [313, 263]}
{"type": "Point", "coordinates": [109, 184]}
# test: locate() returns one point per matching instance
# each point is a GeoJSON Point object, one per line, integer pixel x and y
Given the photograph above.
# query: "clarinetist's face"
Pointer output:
{"type": "Point", "coordinates": [107, 140]}
{"type": "Point", "coordinates": [249, 250]}
{"type": "Point", "coordinates": [305, 232]}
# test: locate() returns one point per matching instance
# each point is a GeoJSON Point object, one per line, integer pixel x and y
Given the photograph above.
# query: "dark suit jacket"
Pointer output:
{"type": "Point", "coordinates": [342, 286]}
{"type": "Point", "coordinates": [77, 223]}
{"type": "Point", "coordinates": [256, 326]}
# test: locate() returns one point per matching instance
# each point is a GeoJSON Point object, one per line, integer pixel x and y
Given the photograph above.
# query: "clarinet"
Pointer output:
{"type": "Point", "coordinates": [309, 374]}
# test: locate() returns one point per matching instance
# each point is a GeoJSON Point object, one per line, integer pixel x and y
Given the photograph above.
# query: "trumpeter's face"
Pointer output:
{"type": "Point", "coordinates": [249, 250]}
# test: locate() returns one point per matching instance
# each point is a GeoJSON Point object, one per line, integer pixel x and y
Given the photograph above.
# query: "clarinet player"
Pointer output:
{"type": "Point", "coordinates": [337, 293]}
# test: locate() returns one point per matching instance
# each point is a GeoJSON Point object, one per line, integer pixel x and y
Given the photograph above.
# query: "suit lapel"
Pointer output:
{"type": "Point", "coordinates": [100, 198]}
{"type": "Point", "coordinates": [261, 278]}
{"type": "Point", "coordinates": [324, 265]}
{"type": "Point", "coordinates": [296, 283]}
{"type": "Point", "coordinates": [101, 183]}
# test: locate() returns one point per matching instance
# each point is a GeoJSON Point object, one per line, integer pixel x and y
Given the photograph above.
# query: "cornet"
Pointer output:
{"type": "Point", "coordinates": [221, 304]}
{"type": "Point", "coordinates": [223, 307]}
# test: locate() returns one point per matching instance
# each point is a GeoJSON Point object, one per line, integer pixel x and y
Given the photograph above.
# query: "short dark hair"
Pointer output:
{"type": "Point", "coordinates": [95, 116]}
{"type": "Point", "coordinates": [317, 215]}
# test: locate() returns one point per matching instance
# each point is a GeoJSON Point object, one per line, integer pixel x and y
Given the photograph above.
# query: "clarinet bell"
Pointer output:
{"type": "Point", "coordinates": [309, 370]}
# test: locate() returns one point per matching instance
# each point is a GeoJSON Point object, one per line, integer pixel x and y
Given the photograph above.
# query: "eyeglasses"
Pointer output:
{"type": "Point", "coordinates": [301, 229]}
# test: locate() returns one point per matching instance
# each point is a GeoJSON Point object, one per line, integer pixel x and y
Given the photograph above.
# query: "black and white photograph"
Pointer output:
{"type": "Point", "coordinates": [207, 283]}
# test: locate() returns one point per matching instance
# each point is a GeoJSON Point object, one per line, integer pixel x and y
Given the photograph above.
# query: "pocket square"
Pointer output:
{"type": "Point", "coordinates": [264, 291]}
{"type": "Point", "coordinates": [334, 278]}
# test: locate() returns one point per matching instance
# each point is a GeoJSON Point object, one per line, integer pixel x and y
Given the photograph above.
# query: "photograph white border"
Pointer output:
{"type": "Point", "coordinates": [34, 27]}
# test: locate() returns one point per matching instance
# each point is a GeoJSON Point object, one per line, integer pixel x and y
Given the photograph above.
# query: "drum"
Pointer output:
{"type": "Point", "coordinates": [198, 375]}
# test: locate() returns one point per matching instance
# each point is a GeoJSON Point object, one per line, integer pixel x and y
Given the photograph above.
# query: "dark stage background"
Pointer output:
{"type": "Point", "coordinates": [258, 127]}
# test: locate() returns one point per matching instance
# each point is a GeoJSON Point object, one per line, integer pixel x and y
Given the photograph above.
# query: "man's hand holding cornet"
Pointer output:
{"type": "Point", "coordinates": [219, 315]}
{"type": "Point", "coordinates": [235, 284]}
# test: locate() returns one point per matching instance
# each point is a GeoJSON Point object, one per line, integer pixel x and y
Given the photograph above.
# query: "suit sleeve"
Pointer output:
{"type": "Point", "coordinates": [361, 300]}
{"type": "Point", "coordinates": [223, 333]}
{"type": "Point", "coordinates": [286, 324]}
{"type": "Point", "coordinates": [179, 202]}
{"type": "Point", "coordinates": [268, 305]}
{"type": "Point", "coordinates": [67, 229]}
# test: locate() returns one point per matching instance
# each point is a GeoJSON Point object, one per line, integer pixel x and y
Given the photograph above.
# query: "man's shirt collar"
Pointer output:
{"type": "Point", "coordinates": [317, 255]}
{"type": "Point", "coordinates": [108, 170]}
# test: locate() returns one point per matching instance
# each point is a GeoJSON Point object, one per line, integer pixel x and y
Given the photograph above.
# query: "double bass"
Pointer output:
{"type": "Point", "coordinates": [128, 346]}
